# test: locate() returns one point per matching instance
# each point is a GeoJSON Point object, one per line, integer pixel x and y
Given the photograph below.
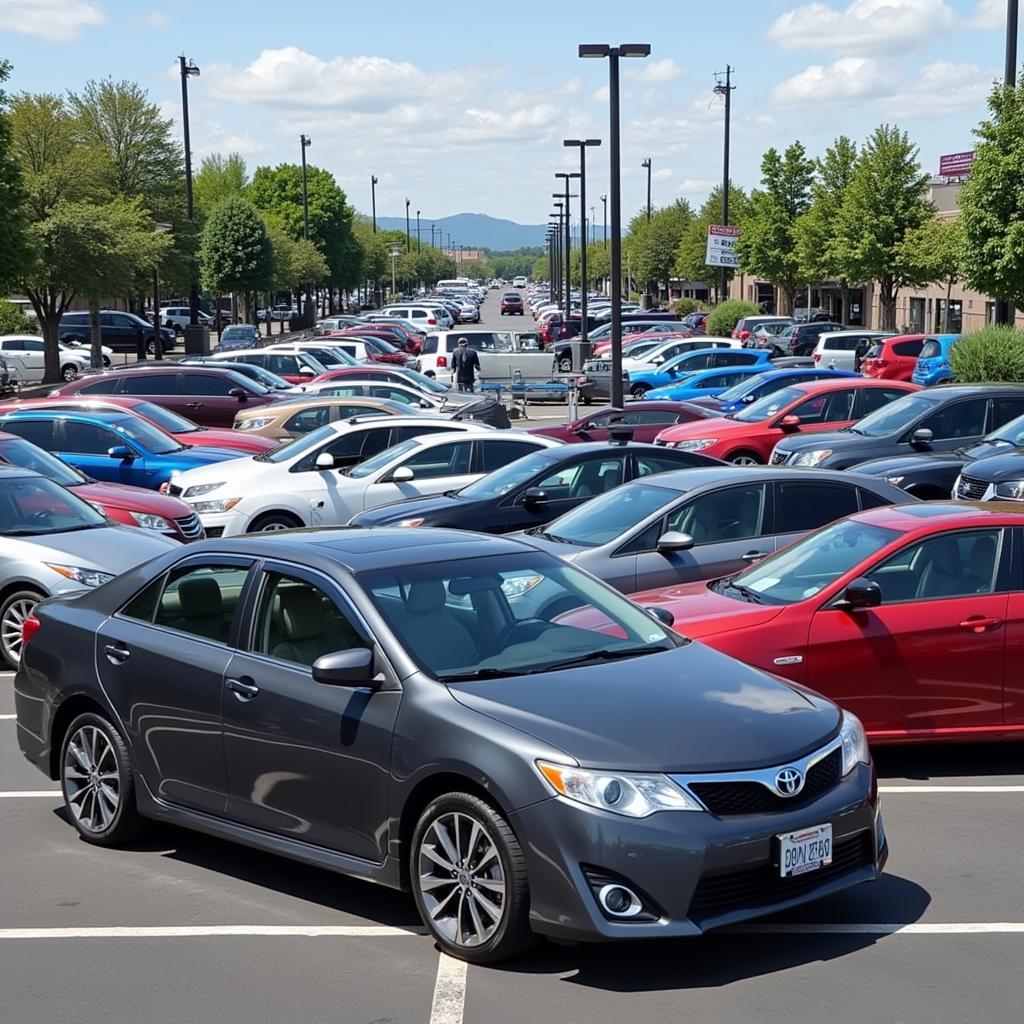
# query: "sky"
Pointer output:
{"type": "Point", "coordinates": [463, 108]}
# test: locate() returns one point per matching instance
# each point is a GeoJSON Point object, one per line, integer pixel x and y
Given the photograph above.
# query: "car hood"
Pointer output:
{"type": "Point", "coordinates": [113, 549]}
{"type": "Point", "coordinates": [240, 470]}
{"type": "Point", "coordinates": [903, 464]}
{"type": "Point", "coordinates": [230, 440]}
{"type": "Point", "coordinates": [560, 549]}
{"type": "Point", "coordinates": [714, 426]}
{"type": "Point", "coordinates": [200, 455]}
{"type": "Point", "coordinates": [699, 611]}
{"type": "Point", "coordinates": [686, 710]}
{"type": "Point", "coordinates": [710, 403]}
{"type": "Point", "coordinates": [998, 468]}
{"type": "Point", "coordinates": [435, 509]}
{"type": "Point", "coordinates": [135, 499]}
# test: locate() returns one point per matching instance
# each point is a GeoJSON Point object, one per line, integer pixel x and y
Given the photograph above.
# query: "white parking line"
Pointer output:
{"type": "Point", "coordinates": [449, 991]}
{"type": "Point", "coordinates": [873, 928]}
{"type": "Point", "coordinates": [951, 789]}
{"type": "Point", "coordinates": [29, 794]}
{"type": "Point", "coordinates": [368, 931]}
{"type": "Point", "coordinates": [7, 718]}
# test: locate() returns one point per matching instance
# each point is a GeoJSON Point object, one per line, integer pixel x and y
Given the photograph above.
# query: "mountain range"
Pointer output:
{"type": "Point", "coordinates": [473, 231]}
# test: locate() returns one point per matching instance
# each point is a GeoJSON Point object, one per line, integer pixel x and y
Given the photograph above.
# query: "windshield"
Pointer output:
{"type": "Point", "coordinates": [231, 333]}
{"type": "Point", "coordinates": [382, 459]}
{"type": "Point", "coordinates": [425, 383]}
{"type": "Point", "coordinates": [34, 506]}
{"type": "Point", "coordinates": [341, 358]}
{"type": "Point", "coordinates": [144, 434]}
{"type": "Point", "coordinates": [808, 566]}
{"type": "Point", "coordinates": [744, 386]}
{"type": "Point", "coordinates": [19, 452]}
{"type": "Point", "coordinates": [895, 416]}
{"type": "Point", "coordinates": [1011, 433]}
{"type": "Point", "coordinates": [788, 331]}
{"type": "Point", "coordinates": [507, 478]}
{"type": "Point", "coordinates": [930, 349]}
{"type": "Point", "coordinates": [499, 616]}
{"type": "Point", "coordinates": [770, 405]}
{"type": "Point", "coordinates": [298, 448]}
{"type": "Point", "coordinates": [165, 419]}
{"type": "Point", "coordinates": [609, 515]}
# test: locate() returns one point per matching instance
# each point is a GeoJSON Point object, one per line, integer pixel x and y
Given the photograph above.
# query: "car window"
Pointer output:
{"type": "Point", "coordinates": [907, 348]}
{"type": "Point", "coordinates": [647, 464]}
{"type": "Point", "coordinates": [841, 344]}
{"type": "Point", "coordinates": [801, 506]}
{"type": "Point", "coordinates": [733, 513]}
{"type": "Point", "coordinates": [298, 622]}
{"type": "Point", "coordinates": [394, 394]}
{"type": "Point", "coordinates": [352, 447]}
{"type": "Point", "coordinates": [648, 417]}
{"type": "Point", "coordinates": [1006, 409]}
{"type": "Point", "coordinates": [308, 419]}
{"type": "Point", "coordinates": [832, 407]}
{"type": "Point", "coordinates": [88, 438]}
{"type": "Point", "coordinates": [495, 454]}
{"type": "Point", "coordinates": [451, 459]}
{"type": "Point", "coordinates": [768, 406]}
{"type": "Point", "coordinates": [199, 600]}
{"type": "Point", "coordinates": [930, 349]}
{"type": "Point", "coordinates": [151, 384]}
{"type": "Point", "coordinates": [584, 479]}
{"type": "Point", "coordinates": [876, 398]}
{"type": "Point", "coordinates": [952, 565]}
{"type": "Point", "coordinates": [39, 432]}
{"type": "Point", "coordinates": [12, 346]}
{"type": "Point", "coordinates": [732, 357]}
{"type": "Point", "coordinates": [283, 365]}
{"type": "Point", "coordinates": [608, 515]}
{"type": "Point", "coordinates": [958, 419]}
{"type": "Point", "coordinates": [207, 384]}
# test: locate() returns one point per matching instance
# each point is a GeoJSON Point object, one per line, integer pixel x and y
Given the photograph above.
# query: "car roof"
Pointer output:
{"type": "Point", "coordinates": [926, 515]}
{"type": "Point", "coordinates": [306, 399]}
{"type": "Point", "coordinates": [816, 387]}
{"type": "Point", "coordinates": [699, 477]}
{"type": "Point", "coordinates": [848, 333]}
{"type": "Point", "coordinates": [100, 415]}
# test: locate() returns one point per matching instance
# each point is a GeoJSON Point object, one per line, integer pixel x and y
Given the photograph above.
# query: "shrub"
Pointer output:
{"type": "Point", "coordinates": [13, 321]}
{"type": "Point", "coordinates": [726, 315]}
{"type": "Point", "coordinates": [992, 354]}
{"type": "Point", "coordinates": [684, 307]}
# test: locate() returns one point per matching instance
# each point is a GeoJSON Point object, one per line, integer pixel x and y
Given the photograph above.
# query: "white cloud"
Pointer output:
{"type": "Point", "coordinates": [574, 86]}
{"type": "Point", "coordinates": [863, 26]}
{"type": "Point", "coordinates": [155, 19]}
{"type": "Point", "coordinates": [942, 87]}
{"type": "Point", "coordinates": [989, 14]}
{"type": "Point", "coordinates": [655, 71]}
{"type": "Point", "coordinates": [662, 173]}
{"type": "Point", "coordinates": [601, 95]}
{"type": "Point", "coordinates": [848, 79]}
{"type": "Point", "coordinates": [57, 21]}
{"type": "Point", "coordinates": [694, 187]}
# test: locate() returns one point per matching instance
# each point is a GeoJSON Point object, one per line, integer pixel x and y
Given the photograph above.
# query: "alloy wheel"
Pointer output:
{"type": "Point", "coordinates": [14, 618]}
{"type": "Point", "coordinates": [744, 460]}
{"type": "Point", "coordinates": [92, 781]}
{"type": "Point", "coordinates": [461, 879]}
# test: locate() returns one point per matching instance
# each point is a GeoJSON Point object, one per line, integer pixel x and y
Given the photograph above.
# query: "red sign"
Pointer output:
{"type": "Point", "coordinates": [956, 165]}
{"type": "Point", "coordinates": [727, 230]}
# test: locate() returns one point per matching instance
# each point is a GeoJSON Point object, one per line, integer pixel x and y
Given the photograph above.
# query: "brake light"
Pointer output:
{"type": "Point", "coordinates": [442, 361]}
{"type": "Point", "coordinates": [29, 628]}
{"type": "Point", "coordinates": [431, 320]}
{"type": "Point", "coordinates": [817, 357]}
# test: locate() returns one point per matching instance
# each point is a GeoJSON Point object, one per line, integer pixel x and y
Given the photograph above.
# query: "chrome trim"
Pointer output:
{"type": "Point", "coordinates": [765, 776]}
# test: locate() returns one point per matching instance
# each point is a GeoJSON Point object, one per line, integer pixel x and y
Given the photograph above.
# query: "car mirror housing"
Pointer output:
{"type": "Point", "coordinates": [922, 436]}
{"type": "Point", "coordinates": [790, 422]}
{"type": "Point", "coordinates": [345, 668]}
{"type": "Point", "coordinates": [861, 593]}
{"type": "Point", "coordinates": [534, 496]}
{"type": "Point", "coordinates": [121, 452]}
{"type": "Point", "coordinates": [325, 460]}
{"type": "Point", "coordinates": [239, 393]}
{"type": "Point", "coordinates": [663, 615]}
{"type": "Point", "coordinates": [747, 399]}
{"type": "Point", "coordinates": [403, 475]}
{"type": "Point", "coordinates": [675, 541]}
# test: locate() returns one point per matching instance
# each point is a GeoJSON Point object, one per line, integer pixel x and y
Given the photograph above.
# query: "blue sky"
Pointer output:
{"type": "Point", "coordinates": [463, 108]}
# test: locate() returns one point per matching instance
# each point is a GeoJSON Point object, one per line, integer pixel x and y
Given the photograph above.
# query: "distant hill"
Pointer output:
{"type": "Point", "coordinates": [474, 230]}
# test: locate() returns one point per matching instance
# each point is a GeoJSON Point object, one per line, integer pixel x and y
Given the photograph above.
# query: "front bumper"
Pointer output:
{"type": "Point", "coordinates": [696, 870]}
{"type": "Point", "coordinates": [224, 524]}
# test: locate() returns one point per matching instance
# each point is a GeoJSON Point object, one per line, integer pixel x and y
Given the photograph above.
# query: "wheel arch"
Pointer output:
{"type": "Point", "coordinates": [69, 709]}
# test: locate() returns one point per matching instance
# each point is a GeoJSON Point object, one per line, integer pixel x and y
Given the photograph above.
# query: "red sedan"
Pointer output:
{"type": "Point", "coordinates": [910, 616]}
{"type": "Point", "coordinates": [747, 437]}
{"type": "Point", "coordinates": [646, 419]}
{"type": "Point", "coordinates": [183, 430]}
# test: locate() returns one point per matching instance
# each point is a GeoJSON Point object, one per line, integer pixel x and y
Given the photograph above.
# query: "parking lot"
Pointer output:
{"type": "Point", "coordinates": [181, 927]}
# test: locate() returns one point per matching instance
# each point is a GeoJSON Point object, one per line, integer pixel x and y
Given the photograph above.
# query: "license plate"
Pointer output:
{"type": "Point", "coordinates": [806, 850]}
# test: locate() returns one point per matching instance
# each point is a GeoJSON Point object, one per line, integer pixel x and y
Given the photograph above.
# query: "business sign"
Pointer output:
{"type": "Point", "coordinates": [956, 165]}
{"type": "Point", "coordinates": [721, 250]}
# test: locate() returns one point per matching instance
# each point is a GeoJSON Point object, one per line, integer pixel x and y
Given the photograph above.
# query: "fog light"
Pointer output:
{"type": "Point", "coordinates": [619, 901]}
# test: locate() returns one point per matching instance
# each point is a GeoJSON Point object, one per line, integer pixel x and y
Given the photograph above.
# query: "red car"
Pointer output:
{"type": "Point", "coordinates": [910, 616]}
{"type": "Point", "coordinates": [647, 420]}
{"type": "Point", "coordinates": [133, 506]}
{"type": "Point", "coordinates": [604, 346]}
{"type": "Point", "coordinates": [747, 437]}
{"type": "Point", "coordinates": [382, 344]}
{"type": "Point", "coordinates": [183, 430]}
{"type": "Point", "coordinates": [377, 371]}
{"type": "Point", "coordinates": [512, 303]}
{"type": "Point", "coordinates": [893, 358]}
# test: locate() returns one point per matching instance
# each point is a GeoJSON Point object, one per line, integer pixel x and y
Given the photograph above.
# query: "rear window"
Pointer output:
{"type": "Point", "coordinates": [430, 345]}
{"type": "Point", "coordinates": [931, 349]}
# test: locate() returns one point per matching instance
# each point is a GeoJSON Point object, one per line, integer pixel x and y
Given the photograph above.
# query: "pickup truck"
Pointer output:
{"type": "Point", "coordinates": [501, 353]}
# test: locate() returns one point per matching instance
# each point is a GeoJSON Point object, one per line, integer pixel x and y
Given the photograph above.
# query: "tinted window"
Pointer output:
{"type": "Point", "coordinates": [732, 357]}
{"type": "Point", "coordinates": [151, 384]}
{"type": "Point", "coordinates": [201, 600]}
{"type": "Point", "coordinates": [842, 344]}
{"type": "Point", "coordinates": [733, 513]}
{"type": "Point", "coordinates": [394, 394]}
{"type": "Point", "coordinates": [1006, 409]}
{"type": "Point", "coordinates": [88, 438]}
{"type": "Point", "coordinates": [408, 432]}
{"type": "Point", "coordinates": [106, 386]}
{"type": "Point", "coordinates": [495, 454]}
{"type": "Point", "coordinates": [608, 515]}
{"type": "Point", "coordinates": [930, 349]}
{"type": "Point", "coordinates": [430, 345]}
{"type": "Point", "coordinates": [875, 398]}
{"type": "Point", "coordinates": [39, 432]}
{"type": "Point", "coordinates": [207, 384]}
{"type": "Point", "coordinates": [283, 365]}
{"type": "Point", "coordinates": [868, 499]}
{"type": "Point", "coordinates": [907, 348]}
{"type": "Point", "coordinates": [308, 419]}
{"type": "Point", "coordinates": [452, 459]}
{"type": "Point", "coordinates": [832, 407]}
{"type": "Point", "coordinates": [647, 464]}
{"type": "Point", "coordinates": [648, 417]}
{"type": "Point", "coordinates": [958, 419]}
{"type": "Point", "coordinates": [585, 479]}
{"type": "Point", "coordinates": [806, 506]}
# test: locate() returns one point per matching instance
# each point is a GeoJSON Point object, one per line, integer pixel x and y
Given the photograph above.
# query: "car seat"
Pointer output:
{"type": "Point", "coordinates": [435, 635]}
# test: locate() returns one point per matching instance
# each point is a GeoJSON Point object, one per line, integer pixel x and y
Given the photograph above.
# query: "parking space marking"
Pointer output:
{"type": "Point", "coordinates": [363, 931]}
{"type": "Point", "coordinates": [951, 789]}
{"type": "Point", "coordinates": [876, 928]}
{"type": "Point", "coordinates": [29, 794]}
{"type": "Point", "coordinates": [7, 718]}
{"type": "Point", "coordinates": [449, 991]}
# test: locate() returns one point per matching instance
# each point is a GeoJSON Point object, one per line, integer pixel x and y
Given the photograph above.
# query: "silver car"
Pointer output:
{"type": "Point", "coordinates": [701, 523]}
{"type": "Point", "coordinates": [52, 542]}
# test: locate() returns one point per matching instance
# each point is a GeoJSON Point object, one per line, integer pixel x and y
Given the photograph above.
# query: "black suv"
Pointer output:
{"type": "Point", "coordinates": [120, 330]}
{"type": "Point", "coordinates": [801, 339]}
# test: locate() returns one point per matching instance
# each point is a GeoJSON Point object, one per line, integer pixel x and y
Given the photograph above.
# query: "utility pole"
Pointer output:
{"type": "Point", "coordinates": [408, 241]}
{"type": "Point", "coordinates": [1005, 313]}
{"type": "Point", "coordinates": [373, 200]}
{"type": "Point", "coordinates": [647, 164]}
{"type": "Point", "coordinates": [725, 89]}
{"type": "Point", "coordinates": [188, 70]}
{"type": "Point", "coordinates": [604, 203]}
{"type": "Point", "coordinates": [419, 247]}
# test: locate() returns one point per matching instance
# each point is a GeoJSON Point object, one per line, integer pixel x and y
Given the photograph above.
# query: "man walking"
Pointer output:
{"type": "Point", "coordinates": [466, 365]}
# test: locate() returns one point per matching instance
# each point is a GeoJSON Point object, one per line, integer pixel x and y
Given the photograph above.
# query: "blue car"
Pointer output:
{"type": "Point", "coordinates": [742, 394]}
{"type": "Point", "coordinates": [704, 383]}
{"type": "Point", "coordinates": [115, 447]}
{"type": "Point", "coordinates": [933, 362]}
{"type": "Point", "coordinates": [643, 381]}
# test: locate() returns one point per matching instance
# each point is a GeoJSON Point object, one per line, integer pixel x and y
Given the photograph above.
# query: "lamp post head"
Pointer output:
{"type": "Point", "coordinates": [635, 50]}
{"type": "Point", "coordinates": [595, 50]}
{"type": "Point", "coordinates": [306, 141]}
{"type": "Point", "coordinates": [373, 179]}
{"type": "Point", "coordinates": [646, 163]}
{"type": "Point", "coordinates": [189, 70]}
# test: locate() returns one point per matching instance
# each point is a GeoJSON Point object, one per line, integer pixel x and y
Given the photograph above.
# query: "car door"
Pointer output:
{"type": "Point", "coordinates": [208, 399]}
{"type": "Point", "coordinates": [33, 354]}
{"type": "Point", "coordinates": [1014, 680]}
{"type": "Point", "coordinates": [930, 657]}
{"type": "Point", "coordinates": [828, 411]}
{"type": "Point", "coordinates": [953, 425]}
{"type": "Point", "coordinates": [162, 661]}
{"type": "Point", "coordinates": [304, 759]}
{"type": "Point", "coordinates": [122, 328]}
{"type": "Point", "coordinates": [436, 469]}
{"type": "Point", "coordinates": [572, 483]}
{"type": "Point", "coordinates": [18, 361]}
{"type": "Point", "coordinates": [497, 515]}
{"type": "Point", "coordinates": [85, 446]}
{"type": "Point", "coordinates": [328, 492]}
{"type": "Point", "coordinates": [162, 389]}
{"type": "Point", "coordinates": [804, 505]}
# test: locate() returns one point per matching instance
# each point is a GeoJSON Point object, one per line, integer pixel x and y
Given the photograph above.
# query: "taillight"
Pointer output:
{"type": "Point", "coordinates": [442, 361]}
{"type": "Point", "coordinates": [431, 320]}
{"type": "Point", "coordinates": [29, 628]}
{"type": "Point", "coordinates": [817, 357]}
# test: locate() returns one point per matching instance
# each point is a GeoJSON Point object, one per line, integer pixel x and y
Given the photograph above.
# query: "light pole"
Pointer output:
{"type": "Point", "coordinates": [419, 247]}
{"type": "Point", "coordinates": [189, 70]}
{"type": "Point", "coordinates": [558, 256]}
{"type": "Point", "coordinates": [613, 53]}
{"type": "Point", "coordinates": [1005, 312]}
{"type": "Point", "coordinates": [305, 142]}
{"type": "Point", "coordinates": [158, 347]}
{"type": "Point", "coordinates": [395, 253]}
{"type": "Point", "coordinates": [568, 242]}
{"type": "Point", "coordinates": [373, 200]}
{"type": "Point", "coordinates": [408, 243]}
{"type": "Point", "coordinates": [580, 350]}
{"type": "Point", "coordinates": [725, 89]}
{"type": "Point", "coordinates": [604, 203]}
{"type": "Point", "coordinates": [593, 222]}
{"type": "Point", "coordinates": [647, 165]}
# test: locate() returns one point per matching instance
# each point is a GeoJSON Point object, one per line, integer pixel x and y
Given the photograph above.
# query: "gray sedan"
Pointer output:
{"type": "Point", "coordinates": [701, 523]}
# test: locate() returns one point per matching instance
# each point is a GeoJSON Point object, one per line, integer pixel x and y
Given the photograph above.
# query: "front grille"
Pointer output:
{"type": "Point", "coordinates": [190, 526]}
{"type": "Point", "coordinates": [728, 798]}
{"type": "Point", "coordinates": [971, 489]}
{"type": "Point", "coordinates": [215, 531]}
{"type": "Point", "coordinates": [174, 490]}
{"type": "Point", "coordinates": [778, 458]}
{"type": "Point", "coordinates": [762, 886]}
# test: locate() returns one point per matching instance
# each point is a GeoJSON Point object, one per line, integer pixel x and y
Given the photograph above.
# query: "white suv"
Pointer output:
{"type": "Point", "coordinates": [24, 356]}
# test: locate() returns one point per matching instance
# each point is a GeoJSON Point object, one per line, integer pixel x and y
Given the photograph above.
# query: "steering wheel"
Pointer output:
{"type": "Point", "coordinates": [521, 632]}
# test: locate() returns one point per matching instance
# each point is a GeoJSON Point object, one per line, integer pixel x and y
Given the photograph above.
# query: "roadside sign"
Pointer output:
{"type": "Point", "coordinates": [721, 249]}
{"type": "Point", "coordinates": [956, 165]}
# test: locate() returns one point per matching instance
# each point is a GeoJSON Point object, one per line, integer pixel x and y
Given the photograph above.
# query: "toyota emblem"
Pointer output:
{"type": "Point", "coordinates": [789, 781]}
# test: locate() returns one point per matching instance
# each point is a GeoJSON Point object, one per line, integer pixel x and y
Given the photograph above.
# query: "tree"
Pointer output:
{"type": "Point", "coordinates": [992, 201]}
{"type": "Point", "coordinates": [653, 244]}
{"type": "Point", "coordinates": [884, 201]}
{"type": "Point", "coordinates": [691, 254]}
{"type": "Point", "coordinates": [218, 178]}
{"type": "Point", "coordinates": [236, 254]}
{"type": "Point", "coordinates": [13, 223]}
{"type": "Point", "coordinates": [767, 247]}
{"type": "Point", "coordinates": [936, 249]}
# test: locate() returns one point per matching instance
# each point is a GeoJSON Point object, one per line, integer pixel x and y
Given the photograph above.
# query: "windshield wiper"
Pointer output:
{"type": "Point", "coordinates": [478, 673]}
{"type": "Point", "coordinates": [553, 537]}
{"type": "Point", "coordinates": [748, 595]}
{"type": "Point", "coordinates": [606, 654]}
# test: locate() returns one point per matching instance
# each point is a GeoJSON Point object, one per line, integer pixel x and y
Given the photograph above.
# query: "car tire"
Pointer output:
{"type": "Point", "coordinates": [97, 782]}
{"type": "Point", "coordinates": [639, 390]}
{"type": "Point", "coordinates": [271, 522]}
{"type": "Point", "coordinates": [744, 458]}
{"type": "Point", "coordinates": [68, 372]}
{"type": "Point", "coordinates": [565, 364]}
{"type": "Point", "coordinates": [106, 361]}
{"type": "Point", "coordinates": [14, 609]}
{"type": "Point", "coordinates": [483, 927]}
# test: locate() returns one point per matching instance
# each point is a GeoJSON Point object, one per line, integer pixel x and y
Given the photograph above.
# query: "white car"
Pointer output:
{"type": "Point", "coordinates": [24, 355]}
{"type": "Point", "coordinates": [428, 318]}
{"type": "Point", "coordinates": [837, 350]}
{"type": "Point", "coordinates": [668, 350]}
{"type": "Point", "coordinates": [301, 483]}
{"type": "Point", "coordinates": [179, 317]}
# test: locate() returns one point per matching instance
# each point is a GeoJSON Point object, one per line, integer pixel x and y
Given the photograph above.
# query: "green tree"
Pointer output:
{"type": "Point", "coordinates": [236, 254]}
{"type": "Point", "coordinates": [13, 224]}
{"type": "Point", "coordinates": [691, 254]}
{"type": "Point", "coordinates": [936, 249]}
{"type": "Point", "coordinates": [218, 178]}
{"type": "Point", "coordinates": [768, 246]}
{"type": "Point", "coordinates": [653, 244]}
{"type": "Point", "coordinates": [884, 201]}
{"type": "Point", "coordinates": [726, 315]}
{"type": "Point", "coordinates": [993, 354]}
{"type": "Point", "coordinates": [992, 201]}
{"type": "Point", "coordinates": [14, 321]}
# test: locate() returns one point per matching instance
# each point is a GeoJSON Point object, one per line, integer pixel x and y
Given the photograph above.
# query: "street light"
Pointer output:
{"type": "Point", "coordinates": [613, 53]}
{"type": "Point", "coordinates": [558, 252]}
{"type": "Point", "coordinates": [580, 349]}
{"type": "Point", "coordinates": [646, 164]}
{"type": "Point", "coordinates": [725, 89]}
{"type": "Point", "coordinates": [373, 200]}
{"type": "Point", "coordinates": [419, 246]}
{"type": "Point", "coordinates": [604, 203]}
{"type": "Point", "coordinates": [568, 241]}
{"type": "Point", "coordinates": [158, 343]}
{"type": "Point", "coordinates": [305, 142]}
{"type": "Point", "coordinates": [395, 253]}
{"type": "Point", "coordinates": [408, 243]}
{"type": "Point", "coordinates": [189, 70]}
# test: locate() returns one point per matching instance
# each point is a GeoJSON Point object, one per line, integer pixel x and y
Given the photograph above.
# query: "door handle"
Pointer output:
{"type": "Point", "coordinates": [979, 623]}
{"type": "Point", "coordinates": [753, 556]}
{"type": "Point", "coordinates": [117, 654]}
{"type": "Point", "coordinates": [241, 689]}
{"type": "Point", "coordinates": [193, 405]}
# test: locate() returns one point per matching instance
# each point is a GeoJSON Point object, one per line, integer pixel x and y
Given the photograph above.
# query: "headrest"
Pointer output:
{"type": "Point", "coordinates": [200, 597]}
{"type": "Point", "coordinates": [302, 614]}
{"type": "Point", "coordinates": [425, 596]}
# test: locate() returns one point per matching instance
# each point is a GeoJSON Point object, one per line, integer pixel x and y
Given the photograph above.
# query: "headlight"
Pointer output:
{"type": "Point", "coordinates": [813, 458]}
{"type": "Point", "coordinates": [697, 445]}
{"type": "Point", "coordinates": [194, 492]}
{"type": "Point", "coordinates": [895, 480]}
{"type": "Point", "coordinates": [148, 521]}
{"type": "Point", "coordinates": [412, 522]}
{"type": "Point", "coordinates": [855, 743]}
{"type": "Point", "coordinates": [628, 793]}
{"type": "Point", "coordinates": [519, 585]}
{"type": "Point", "coordinates": [254, 424]}
{"type": "Point", "coordinates": [87, 577]}
{"type": "Point", "coordinates": [220, 505]}
{"type": "Point", "coordinates": [1012, 489]}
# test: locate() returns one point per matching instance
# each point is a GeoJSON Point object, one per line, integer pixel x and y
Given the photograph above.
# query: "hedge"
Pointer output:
{"type": "Point", "coordinates": [990, 355]}
{"type": "Point", "coordinates": [684, 307]}
{"type": "Point", "coordinates": [726, 315]}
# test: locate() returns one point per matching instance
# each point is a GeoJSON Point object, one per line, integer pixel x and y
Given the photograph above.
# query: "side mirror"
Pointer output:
{"type": "Point", "coordinates": [861, 593]}
{"type": "Point", "coordinates": [402, 475]}
{"type": "Point", "coordinates": [658, 359]}
{"type": "Point", "coordinates": [533, 497]}
{"type": "Point", "coordinates": [325, 460]}
{"type": "Point", "coordinates": [747, 399]}
{"type": "Point", "coordinates": [663, 615]}
{"type": "Point", "coordinates": [345, 668]}
{"type": "Point", "coordinates": [921, 436]}
{"type": "Point", "coordinates": [240, 393]}
{"type": "Point", "coordinates": [790, 422]}
{"type": "Point", "coordinates": [121, 452]}
{"type": "Point", "coordinates": [675, 541]}
{"type": "Point", "coordinates": [306, 371]}
{"type": "Point", "coordinates": [425, 404]}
